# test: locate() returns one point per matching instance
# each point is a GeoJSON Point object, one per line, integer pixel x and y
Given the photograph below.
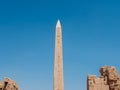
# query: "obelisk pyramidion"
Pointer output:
{"type": "Point", "coordinates": [58, 62]}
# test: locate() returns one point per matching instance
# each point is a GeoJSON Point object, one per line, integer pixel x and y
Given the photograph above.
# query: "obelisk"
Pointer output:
{"type": "Point", "coordinates": [58, 62]}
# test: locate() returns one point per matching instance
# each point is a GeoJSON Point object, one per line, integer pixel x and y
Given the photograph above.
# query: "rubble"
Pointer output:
{"type": "Point", "coordinates": [8, 84]}
{"type": "Point", "coordinates": [109, 80]}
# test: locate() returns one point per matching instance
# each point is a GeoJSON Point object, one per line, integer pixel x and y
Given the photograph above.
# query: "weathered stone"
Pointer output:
{"type": "Point", "coordinates": [58, 62]}
{"type": "Point", "coordinates": [109, 80]}
{"type": "Point", "coordinates": [8, 84]}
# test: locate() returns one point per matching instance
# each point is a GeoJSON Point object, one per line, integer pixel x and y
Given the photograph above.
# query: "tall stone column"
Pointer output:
{"type": "Point", "coordinates": [58, 62]}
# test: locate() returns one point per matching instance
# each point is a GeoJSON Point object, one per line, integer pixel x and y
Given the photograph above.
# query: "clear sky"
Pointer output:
{"type": "Point", "coordinates": [91, 39]}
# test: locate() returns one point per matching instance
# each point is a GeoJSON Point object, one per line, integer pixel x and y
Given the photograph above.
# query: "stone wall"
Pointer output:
{"type": "Point", "coordinates": [109, 80]}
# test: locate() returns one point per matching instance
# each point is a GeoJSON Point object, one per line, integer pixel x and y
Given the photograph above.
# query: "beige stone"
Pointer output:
{"type": "Point", "coordinates": [58, 63]}
{"type": "Point", "coordinates": [109, 80]}
{"type": "Point", "coordinates": [8, 84]}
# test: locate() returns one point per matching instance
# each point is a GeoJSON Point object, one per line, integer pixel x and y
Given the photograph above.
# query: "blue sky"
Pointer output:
{"type": "Point", "coordinates": [91, 39]}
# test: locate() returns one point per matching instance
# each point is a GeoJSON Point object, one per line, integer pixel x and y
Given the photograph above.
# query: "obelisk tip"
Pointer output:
{"type": "Point", "coordinates": [58, 23]}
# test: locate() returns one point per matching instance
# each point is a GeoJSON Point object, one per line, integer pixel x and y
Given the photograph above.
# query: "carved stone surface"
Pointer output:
{"type": "Point", "coordinates": [58, 62]}
{"type": "Point", "coordinates": [8, 84]}
{"type": "Point", "coordinates": [109, 80]}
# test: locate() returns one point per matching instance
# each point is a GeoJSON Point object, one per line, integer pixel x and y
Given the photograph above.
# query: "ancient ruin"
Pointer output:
{"type": "Point", "coordinates": [58, 62]}
{"type": "Point", "coordinates": [8, 84]}
{"type": "Point", "coordinates": [109, 80]}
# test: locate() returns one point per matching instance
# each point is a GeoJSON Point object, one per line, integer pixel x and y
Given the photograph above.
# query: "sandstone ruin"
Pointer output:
{"type": "Point", "coordinates": [109, 80]}
{"type": "Point", "coordinates": [8, 84]}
